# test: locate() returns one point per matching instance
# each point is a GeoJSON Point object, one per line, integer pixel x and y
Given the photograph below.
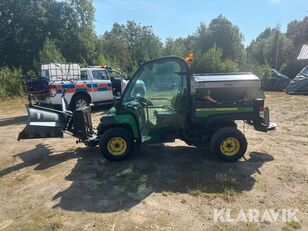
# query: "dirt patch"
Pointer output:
{"type": "Point", "coordinates": [54, 184]}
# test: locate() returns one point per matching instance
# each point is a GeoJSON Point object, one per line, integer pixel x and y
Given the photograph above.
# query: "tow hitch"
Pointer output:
{"type": "Point", "coordinates": [265, 125]}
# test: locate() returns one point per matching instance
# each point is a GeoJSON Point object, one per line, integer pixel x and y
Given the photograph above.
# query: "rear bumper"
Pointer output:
{"type": "Point", "coordinates": [47, 100]}
{"type": "Point", "coordinates": [265, 125]}
{"type": "Point", "coordinates": [266, 128]}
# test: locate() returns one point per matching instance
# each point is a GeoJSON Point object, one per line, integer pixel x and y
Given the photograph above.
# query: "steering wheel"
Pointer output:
{"type": "Point", "coordinates": [138, 92]}
{"type": "Point", "coordinates": [169, 107]}
{"type": "Point", "coordinates": [145, 101]}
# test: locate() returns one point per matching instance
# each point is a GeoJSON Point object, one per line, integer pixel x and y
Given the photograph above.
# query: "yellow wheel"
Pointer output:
{"type": "Point", "coordinates": [228, 144]}
{"type": "Point", "coordinates": [116, 143]}
{"type": "Point", "coordinates": [117, 146]}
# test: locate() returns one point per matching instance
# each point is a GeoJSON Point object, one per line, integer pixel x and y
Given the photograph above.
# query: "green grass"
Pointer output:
{"type": "Point", "coordinates": [221, 186]}
{"type": "Point", "coordinates": [21, 177]}
{"type": "Point", "coordinates": [165, 193]}
{"type": "Point", "coordinates": [234, 227]}
{"type": "Point", "coordinates": [54, 223]}
{"type": "Point", "coordinates": [126, 172]}
{"type": "Point", "coordinates": [199, 192]}
{"type": "Point", "coordinates": [292, 225]}
{"type": "Point", "coordinates": [15, 101]}
{"type": "Point", "coordinates": [103, 161]}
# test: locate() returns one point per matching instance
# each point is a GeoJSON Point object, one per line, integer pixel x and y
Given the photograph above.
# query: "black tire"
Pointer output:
{"type": "Point", "coordinates": [228, 144]}
{"type": "Point", "coordinates": [109, 140]}
{"type": "Point", "coordinates": [75, 103]}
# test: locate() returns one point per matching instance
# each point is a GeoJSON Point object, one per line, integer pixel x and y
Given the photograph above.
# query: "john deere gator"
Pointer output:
{"type": "Point", "coordinates": [164, 101]}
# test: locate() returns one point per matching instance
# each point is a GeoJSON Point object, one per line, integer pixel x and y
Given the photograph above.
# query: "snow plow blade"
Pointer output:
{"type": "Point", "coordinates": [43, 123]}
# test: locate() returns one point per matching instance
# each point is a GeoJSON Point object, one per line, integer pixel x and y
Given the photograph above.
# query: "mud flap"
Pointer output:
{"type": "Point", "coordinates": [43, 123]}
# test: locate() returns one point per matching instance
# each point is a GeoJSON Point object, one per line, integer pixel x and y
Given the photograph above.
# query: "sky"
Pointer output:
{"type": "Point", "coordinates": [179, 18]}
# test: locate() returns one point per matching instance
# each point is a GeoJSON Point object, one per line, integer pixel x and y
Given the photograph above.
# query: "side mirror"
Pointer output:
{"type": "Point", "coordinates": [30, 97]}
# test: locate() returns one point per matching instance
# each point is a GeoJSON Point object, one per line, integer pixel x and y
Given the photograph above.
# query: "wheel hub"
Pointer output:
{"type": "Point", "coordinates": [81, 103]}
{"type": "Point", "coordinates": [230, 146]}
{"type": "Point", "coordinates": [117, 146]}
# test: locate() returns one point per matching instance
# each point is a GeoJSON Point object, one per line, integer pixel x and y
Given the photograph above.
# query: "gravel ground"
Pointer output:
{"type": "Point", "coordinates": [56, 184]}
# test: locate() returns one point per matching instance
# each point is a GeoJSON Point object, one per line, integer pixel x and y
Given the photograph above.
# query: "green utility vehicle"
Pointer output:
{"type": "Point", "coordinates": [163, 102]}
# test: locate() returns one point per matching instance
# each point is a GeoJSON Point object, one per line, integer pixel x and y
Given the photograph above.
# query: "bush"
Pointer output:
{"type": "Point", "coordinates": [11, 82]}
{"type": "Point", "coordinates": [51, 53]}
{"type": "Point", "coordinates": [262, 71]}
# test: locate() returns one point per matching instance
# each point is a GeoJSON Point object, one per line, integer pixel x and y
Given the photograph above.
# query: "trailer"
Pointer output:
{"type": "Point", "coordinates": [202, 110]}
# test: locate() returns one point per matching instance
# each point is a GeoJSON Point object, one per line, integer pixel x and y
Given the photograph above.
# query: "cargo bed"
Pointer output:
{"type": "Point", "coordinates": [225, 87]}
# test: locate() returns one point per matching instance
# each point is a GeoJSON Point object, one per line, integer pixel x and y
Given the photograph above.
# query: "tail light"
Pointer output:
{"type": "Point", "coordinates": [52, 90]}
{"type": "Point", "coordinates": [261, 110]}
{"type": "Point", "coordinates": [261, 107]}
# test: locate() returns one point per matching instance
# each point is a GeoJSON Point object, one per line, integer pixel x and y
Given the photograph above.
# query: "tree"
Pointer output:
{"type": "Point", "coordinates": [143, 43]}
{"type": "Point", "coordinates": [63, 28]}
{"type": "Point", "coordinates": [175, 47]}
{"type": "Point", "coordinates": [25, 25]}
{"type": "Point", "coordinates": [22, 29]}
{"type": "Point", "coordinates": [222, 33]}
{"type": "Point", "coordinates": [228, 37]}
{"type": "Point", "coordinates": [270, 47]}
{"type": "Point", "coordinates": [51, 53]}
{"type": "Point", "coordinates": [85, 16]}
{"type": "Point", "coordinates": [298, 32]}
{"type": "Point", "coordinates": [129, 45]}
{"type": "Point", "coordinates": [116, 52]}
{"type": "Point", "coordinates": [202, 42]}
{"type": "Point", "coordinates": [217, 47]}
{"type": "Point", "coordinates": [212, 62]}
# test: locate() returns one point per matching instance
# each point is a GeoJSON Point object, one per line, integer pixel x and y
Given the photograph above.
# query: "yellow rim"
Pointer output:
{"type": "Point", "coordinates": [230, 146]}
{"type": "Point", "coordinates": [116, 146]}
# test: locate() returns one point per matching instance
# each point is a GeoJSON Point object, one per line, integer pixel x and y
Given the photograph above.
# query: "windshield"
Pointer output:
{"type": "Point", "coordinates": [158, 82]}
{"type": "Point", "coordinates": [116, 75]}
{"type": "Point", "coordinates": [83, 74]}
{"type": "Point", "coordinates": [100, 74]}
{"type": "Point", "coordinates": [305, 71]}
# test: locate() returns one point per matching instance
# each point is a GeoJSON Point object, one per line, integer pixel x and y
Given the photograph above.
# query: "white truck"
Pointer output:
{"type": "Point", "coordinates": [82, 86]}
